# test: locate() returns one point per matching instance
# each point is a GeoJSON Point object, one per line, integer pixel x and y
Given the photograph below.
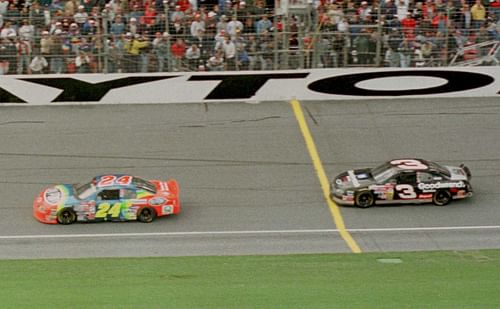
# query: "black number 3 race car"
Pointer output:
{"type": "Point", "coordinates": [402, 181]}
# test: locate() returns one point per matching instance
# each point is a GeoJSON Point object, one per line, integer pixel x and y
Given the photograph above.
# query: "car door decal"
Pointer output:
{"type": "Point", "coordinates": [406, 191]}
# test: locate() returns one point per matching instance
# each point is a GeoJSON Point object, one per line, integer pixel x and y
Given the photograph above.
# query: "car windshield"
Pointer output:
{"type": "Point", "coordinates": [383, 172]}
{"type": "Point", "coordinates": [143, 184]}
{"type": "Point", "coordinates": [85, 191]}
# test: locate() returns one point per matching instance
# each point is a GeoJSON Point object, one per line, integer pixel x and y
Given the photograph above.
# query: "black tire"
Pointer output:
{"type": "Point", "coordinates": [66, 216]}
{"type": "Point", "coordinates": [441, 197]}
{"type": "Point", "coordinates": [146, 215]}
{"type": "Point", "coordinates": [365, 199]}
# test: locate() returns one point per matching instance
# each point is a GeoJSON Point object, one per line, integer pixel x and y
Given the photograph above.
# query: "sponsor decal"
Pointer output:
{"type": "Point", "coordinates": [167, 209]}
{"type": "Point", "coordinates": [81, 208]}
{"type": "Point", "coordinates": [139, 202]}
{"type": "Point", "coordinates": [384, 192]}
{"type": "Point", "coordinates": [348, 198]}
{"type": "Point", "coordinates": [425, 196]}
{"type": "Point", "coordinates": [53, 196]}
{"type": "Point", "coordinates": [381, 188]}
{"type": "Point", "coordinates": [157, 201]}
{"type": "Point", "coordinates": [130, 213]}
{"type": "Point", "coordinates": [427, 187]}
{"type": "Point", "coordinates": [85, 207]}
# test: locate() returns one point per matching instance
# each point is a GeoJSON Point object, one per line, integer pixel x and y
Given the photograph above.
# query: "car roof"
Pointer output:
{"type": "Point", "coordinates": [113, 184]}
{"type": "Point", "coordinates": [425, 166]}
{"type": "Point", "coordinates": [400, 165]}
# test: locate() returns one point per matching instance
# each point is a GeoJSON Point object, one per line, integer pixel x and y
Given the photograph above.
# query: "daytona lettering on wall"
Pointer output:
{"type": "Point", "coordinates": [346, 84]}
{"type": "Point", "coordinates": [324, 84]}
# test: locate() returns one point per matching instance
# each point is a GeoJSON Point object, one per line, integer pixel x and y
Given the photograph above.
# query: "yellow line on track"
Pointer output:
{"type": "Point", "coordinates": [325, 186]}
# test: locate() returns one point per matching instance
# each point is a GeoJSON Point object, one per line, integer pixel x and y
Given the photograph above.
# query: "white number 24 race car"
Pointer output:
{"type": "Point", "coordinates": [402, 181]}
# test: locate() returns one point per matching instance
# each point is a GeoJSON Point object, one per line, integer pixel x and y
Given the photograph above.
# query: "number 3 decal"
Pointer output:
{"type": "Point", "coordinates": [409, 164]}
{"type": "Point", "coordinates": [406, 191]}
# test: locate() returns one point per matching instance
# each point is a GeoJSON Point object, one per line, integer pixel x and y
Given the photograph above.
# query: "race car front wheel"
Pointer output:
{"type": "Point", "coordinates": [146, 215]}
{"type": "Point", "coordinates": [66, 216]}
{"type": "Point", "coordinates": [441, 197]}
{"type": "Point", "coordinates": [365, 199]}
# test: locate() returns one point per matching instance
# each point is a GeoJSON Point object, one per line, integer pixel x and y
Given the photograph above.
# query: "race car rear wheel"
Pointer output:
{"type": "Point", "coordinates": [441, 197]}
{"type": "Point", "coordinates": [66, 216]}
{"type": "Point", "coordinates": [146, 215]}
{"type": "Point", "coordinates": [365, 199]}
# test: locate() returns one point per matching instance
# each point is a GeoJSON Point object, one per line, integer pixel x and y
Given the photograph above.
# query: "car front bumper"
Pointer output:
{"type": "Point", "coordinates": [342, 200]}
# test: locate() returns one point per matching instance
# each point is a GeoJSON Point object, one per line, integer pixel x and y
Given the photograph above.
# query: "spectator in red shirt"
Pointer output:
{"type": "Point", "coordinates": [408, 23]}
{"type": "Point", "coordinates": [440, 21]}
{"type": "Point", "coordinates": [178, 52]}
{"type": "Point", "coordinates": [149, 17]}
{"type": "Point", "coordinates": [184, 5]}
{"type": "Point", "coordinates": [429, 9]}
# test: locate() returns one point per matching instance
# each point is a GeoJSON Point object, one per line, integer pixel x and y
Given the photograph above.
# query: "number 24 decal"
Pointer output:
{"type": "Point", "coordinates": [110, 180]}
{"type": "Point", "coordinates": [105, 209]}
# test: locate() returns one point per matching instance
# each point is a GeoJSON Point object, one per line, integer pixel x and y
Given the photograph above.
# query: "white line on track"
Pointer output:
{"type": "Point", "coordinates": [270, 232]}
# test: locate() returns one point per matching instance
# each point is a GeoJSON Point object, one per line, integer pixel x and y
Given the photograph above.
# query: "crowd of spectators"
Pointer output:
{"type": "Point", "coordinates": [68, 36]}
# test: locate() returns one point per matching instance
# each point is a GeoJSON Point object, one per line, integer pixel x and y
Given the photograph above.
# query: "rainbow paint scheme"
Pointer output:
{"type": "Point", "coordinates": [113, 197]}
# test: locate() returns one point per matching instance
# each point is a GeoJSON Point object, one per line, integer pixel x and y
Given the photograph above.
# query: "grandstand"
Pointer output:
{"type": "Point", "coordinates": [119, 36]}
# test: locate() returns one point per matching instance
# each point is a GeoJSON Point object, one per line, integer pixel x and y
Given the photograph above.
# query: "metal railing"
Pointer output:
{"type": "Point", "coordinates": [97, 50]}
{"type": "Point", "coordinates": [486, 53]}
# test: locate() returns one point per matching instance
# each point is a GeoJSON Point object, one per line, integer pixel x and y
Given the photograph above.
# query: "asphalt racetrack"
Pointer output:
{"type": "Point", "coordinates": [248, 185]}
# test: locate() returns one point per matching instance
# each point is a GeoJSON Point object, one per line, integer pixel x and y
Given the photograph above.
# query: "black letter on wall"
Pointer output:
{"type": "Point", "coordinates": [7, 97]}
{"type": "Point", "coordinates": [80, 91]}
{"type": "Point", "coordinates": [346, 84]}
{"type": "Point", "coordinates": [240, 86]}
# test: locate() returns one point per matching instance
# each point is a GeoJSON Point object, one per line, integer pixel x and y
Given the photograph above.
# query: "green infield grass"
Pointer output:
{"type": "Point", "coordinates": [441, 279]}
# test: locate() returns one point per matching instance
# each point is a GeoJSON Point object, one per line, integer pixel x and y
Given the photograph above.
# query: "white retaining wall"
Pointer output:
{"type": "Point", "coordinates": [247, 86]}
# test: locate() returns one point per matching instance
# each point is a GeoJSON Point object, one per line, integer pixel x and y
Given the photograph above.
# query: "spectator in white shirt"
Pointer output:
{"type": "Point", "coordinates": [80, 16]}
{"type": "Point", "coordinates": [27, 31]}
{"type": "Point", "coordinates": [196, 25]}
{"type": "Point", "coordinates": [38, 64]}
{"type": "Point", "coordinates": [7, 30]}
{"type": "Point", "coordinates": [234, 26]}
{"type": "Point", "coordinates": [4, 5]}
